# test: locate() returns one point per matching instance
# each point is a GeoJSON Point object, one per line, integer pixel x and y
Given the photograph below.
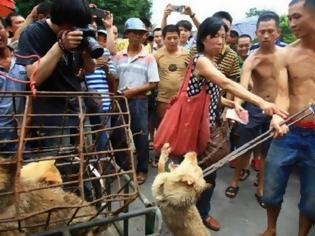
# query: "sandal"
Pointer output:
{"type": "Point", "coordinates": [141, 177]}
{"type": "Point", "coordinates": [244, 174]}
{"type": "Point", "coordinates": [256, 180]}
{"type": "Point", "coordinates": [231, 191]}
{"type": "Point", "coordinates": [260, 201]}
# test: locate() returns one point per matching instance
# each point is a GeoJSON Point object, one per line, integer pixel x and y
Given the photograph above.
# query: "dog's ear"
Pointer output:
{"type": "Point", "coordinates": [188, 180]}
{"type": "Point", "coordinates": [51, 177]}
{"type": "Point", "coordinates": [158, 186]}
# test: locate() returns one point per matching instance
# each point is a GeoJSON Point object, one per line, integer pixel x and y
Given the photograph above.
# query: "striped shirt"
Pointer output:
{"type": "Point", "coordinates": [228, 63]}
{"type": "Point", "coordinates": [97, 81]}
{"type": "Point", "coordinates": [136, 71]}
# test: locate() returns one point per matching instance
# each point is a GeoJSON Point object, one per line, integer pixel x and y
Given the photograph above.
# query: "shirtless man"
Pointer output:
{"type": "Point", "coordinates": [260, 70]}
{"type": "Point", "coordinates": [296, 86]}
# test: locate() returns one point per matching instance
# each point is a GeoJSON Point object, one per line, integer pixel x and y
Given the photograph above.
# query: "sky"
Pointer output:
{"type": "Point", "coordinates": [205, 8]}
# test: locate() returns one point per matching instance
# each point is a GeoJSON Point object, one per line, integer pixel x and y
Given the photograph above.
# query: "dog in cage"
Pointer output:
{"type": "Point", "coordinates": [42, 176]}
{"type": "Point", "coordinates": [176, 193]}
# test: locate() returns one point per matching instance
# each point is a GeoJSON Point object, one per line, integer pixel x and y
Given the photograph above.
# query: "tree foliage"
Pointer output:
{"type": "Point", "coordinates": [25, 7]}
{"type": "Point", "coordinates": [254, 12]}
{"type": "Point", "coordinates": [122, 9]}
{"type": "Point", "coordinates": [286, 33]}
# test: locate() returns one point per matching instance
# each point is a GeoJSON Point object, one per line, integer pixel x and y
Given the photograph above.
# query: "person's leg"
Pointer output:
{"type": "Point", "coordinates": [263, 150]}
{"type": "Point", "coordinates": [272, 217]}
{"type": "Point", "coordinates": [139, 127]}
{"type": "Point", "coordinates": [307, 181]}
{"type": "Point", "coordinates": [240, 164]}
{"type": "Point", "coordinates": [305, 224]}
{"type": "Point", "coordinates": [278, 166]}
{"type": "Point", "coordinates": [246, 134]}
{"type": "Point", "coordinates": [119, 137]}
{"type": "Point", "coordinates": [204, 204]}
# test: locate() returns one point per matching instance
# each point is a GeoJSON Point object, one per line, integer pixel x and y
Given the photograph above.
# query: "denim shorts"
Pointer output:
{"type": "Point", "coordinates": [257, 125]}
{"type": "Point", "coordinates": [296, 149]}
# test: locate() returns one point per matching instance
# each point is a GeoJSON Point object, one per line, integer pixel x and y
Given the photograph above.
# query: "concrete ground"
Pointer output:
{"type": "Point", "coordinates": [241, 216]}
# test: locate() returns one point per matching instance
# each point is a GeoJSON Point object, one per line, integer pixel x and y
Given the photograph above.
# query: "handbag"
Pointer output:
{"type": "Point", "coordinates": [185, 125]}
{"type": "Point", "coordinates": [218, 147]}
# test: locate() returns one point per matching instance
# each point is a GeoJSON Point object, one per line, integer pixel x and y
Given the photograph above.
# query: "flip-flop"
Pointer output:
{"type": "Point", "coordinates": [231, 191]}
{"type": "Point", "coordinates": [244, 174]}
{"type": "Point", "coordinates": [256, 180]}
{"type": "Point", "coordinates": [260, 201]}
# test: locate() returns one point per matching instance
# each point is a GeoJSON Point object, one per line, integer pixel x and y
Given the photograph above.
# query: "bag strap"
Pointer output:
{"type": "Point", "coordinates": [187, 77]}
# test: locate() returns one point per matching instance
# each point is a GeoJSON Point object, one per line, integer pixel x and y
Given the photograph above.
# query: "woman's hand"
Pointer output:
{"type": "Point", "coordinates": [271, 109]}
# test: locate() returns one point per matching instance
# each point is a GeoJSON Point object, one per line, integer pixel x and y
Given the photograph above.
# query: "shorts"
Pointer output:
{"type": "Point", "coordinates": [297, 148]}
{"type": "Point", "coordinates": [257, 125]}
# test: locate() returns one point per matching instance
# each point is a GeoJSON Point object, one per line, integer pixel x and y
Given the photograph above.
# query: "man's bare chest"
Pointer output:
{"type": "Point", "coordinates": [265, 68]}
{"type": "Point", "coordinates": [301, 68]}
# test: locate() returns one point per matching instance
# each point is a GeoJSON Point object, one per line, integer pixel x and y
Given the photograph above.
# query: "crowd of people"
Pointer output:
{"type": "Point", "coordinates": [147, 65]}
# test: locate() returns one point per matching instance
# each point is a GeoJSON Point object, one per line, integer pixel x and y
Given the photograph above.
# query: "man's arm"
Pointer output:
{"type": "Point", "coordinates": [188, 11]}
{"type": "Point", "coordinates": [129, 93]}
{"type": "Point", "coordinates": [108, 25]}
{"type": "Point", "coordinates": [167, 11]}
{"type": "Point", "coordinates": [45, 67]}
{"type": "Point", "coordinates": [209, 72]}
{"type": "Point", "coordinates": [245, 80]}
{"type": "Point", "coordinates": [282, 100]}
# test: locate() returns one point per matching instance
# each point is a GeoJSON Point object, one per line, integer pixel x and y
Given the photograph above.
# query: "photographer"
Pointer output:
{"type": "Point", "coordinates": [58, 43]}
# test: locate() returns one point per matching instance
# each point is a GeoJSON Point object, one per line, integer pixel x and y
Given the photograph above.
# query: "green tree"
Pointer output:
{"type": "Point", "coordinates": [122, 9]}
{"type": "Point", "coordinates": [25, 7]}
{"type": "Point", "coordinates": [254, 12]}
{"type": "Point", "coordinates": [286, 33]}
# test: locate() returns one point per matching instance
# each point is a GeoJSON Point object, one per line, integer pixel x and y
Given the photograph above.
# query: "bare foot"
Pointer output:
{"type": "Point", "coordinates": [268, 233]}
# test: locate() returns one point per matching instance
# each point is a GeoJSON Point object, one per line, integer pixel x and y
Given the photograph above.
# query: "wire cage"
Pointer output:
{"type": "Point", "coordinates": [89, 156]}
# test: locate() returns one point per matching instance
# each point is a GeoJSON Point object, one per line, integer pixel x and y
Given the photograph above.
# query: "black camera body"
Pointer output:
{"type": "Point", "coordinates": [90, 43]}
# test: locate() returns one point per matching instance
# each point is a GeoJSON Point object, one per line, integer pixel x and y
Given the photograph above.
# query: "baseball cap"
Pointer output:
{"type": "Point", "coordinates": [102, 31]}
{"type": "Point", "coordinates": [134, 24]}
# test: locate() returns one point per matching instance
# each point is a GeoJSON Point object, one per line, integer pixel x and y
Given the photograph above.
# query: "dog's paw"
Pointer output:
{"type": "Point", "coordinates": [166, 150]}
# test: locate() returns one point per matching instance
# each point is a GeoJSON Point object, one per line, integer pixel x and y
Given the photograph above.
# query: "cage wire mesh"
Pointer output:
{"type": "Point", "coordinates": [81, 147]}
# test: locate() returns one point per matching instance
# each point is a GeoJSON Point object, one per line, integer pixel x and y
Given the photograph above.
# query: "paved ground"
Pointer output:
{"type": "Point", "coordinates": [241, 216]}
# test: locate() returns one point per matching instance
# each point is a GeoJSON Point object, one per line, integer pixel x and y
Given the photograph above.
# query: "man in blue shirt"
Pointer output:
{"type": "Point", "coordinates": [9, 105]}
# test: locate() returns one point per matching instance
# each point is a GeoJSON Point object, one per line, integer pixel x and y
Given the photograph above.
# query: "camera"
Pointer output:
{"type": "Point", "coordinates": [90, 43]}
{"type": "Point", "coordinates": [179, 8]}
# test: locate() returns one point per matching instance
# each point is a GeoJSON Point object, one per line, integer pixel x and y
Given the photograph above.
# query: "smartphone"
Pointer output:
{"type": "Point", "coordinates": [178, 8]}
{"type": "Point", "coordinates": [98, 13]}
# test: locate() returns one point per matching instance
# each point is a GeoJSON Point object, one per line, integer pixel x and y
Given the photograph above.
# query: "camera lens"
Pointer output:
{"type": "Point", "coordinates": [93, 47]}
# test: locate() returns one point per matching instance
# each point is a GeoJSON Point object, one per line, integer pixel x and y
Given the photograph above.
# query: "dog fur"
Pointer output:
{"type": "Point", "coordinates": [176, 193]}
{"type": "Point", "coordinates": [37, 175]}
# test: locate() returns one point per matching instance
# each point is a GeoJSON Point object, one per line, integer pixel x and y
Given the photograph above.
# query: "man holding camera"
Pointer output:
{"type": "Point", "coordinates": [58, 44]}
